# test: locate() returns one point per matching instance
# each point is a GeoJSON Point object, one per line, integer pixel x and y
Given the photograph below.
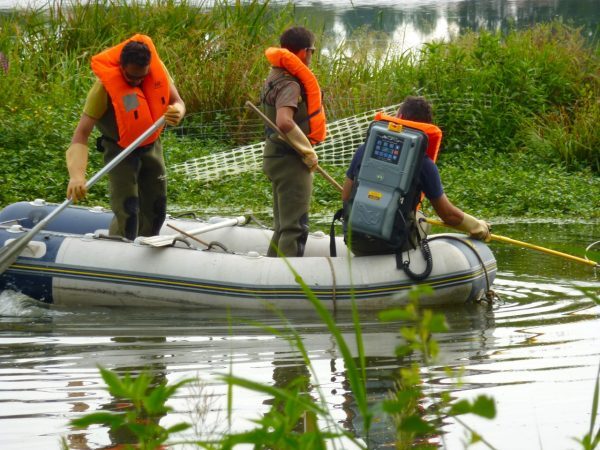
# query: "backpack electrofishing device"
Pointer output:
{"type": "Point", "coordinates": [386, 193]}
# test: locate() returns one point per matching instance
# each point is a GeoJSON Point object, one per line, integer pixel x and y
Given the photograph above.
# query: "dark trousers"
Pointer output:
{"type": "Point", "coordinates": [138, 190]}
{"type": "Point", "coordinates": [292, 189]}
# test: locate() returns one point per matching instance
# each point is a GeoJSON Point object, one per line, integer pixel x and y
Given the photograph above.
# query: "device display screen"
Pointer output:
{"type": "Point", "coordinates": [387, 149]}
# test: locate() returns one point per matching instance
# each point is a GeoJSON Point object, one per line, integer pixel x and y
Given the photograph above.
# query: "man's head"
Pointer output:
{"type": "Point", "coordinates": [135, 62]}
{"type": "Point", "coordinates": [299, 41]}
{"type": "Point", "coordinates": [416, 109]}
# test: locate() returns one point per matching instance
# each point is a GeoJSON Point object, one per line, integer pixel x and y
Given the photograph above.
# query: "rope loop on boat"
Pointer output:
{"type": "Point", "coordinates": [213, 244]}
{"type": "Point", "coordinates": [588, 248]}
{"type": "Point", "coordinates": [253, 218]}
{"type": "Point", "coordinates": [490, 295]}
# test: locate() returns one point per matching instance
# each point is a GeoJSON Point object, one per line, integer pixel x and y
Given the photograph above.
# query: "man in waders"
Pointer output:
{"type": "Point", "coordinates": [291, 98]}
{"type": "Point", "coordinates": [132, 91]}
{"type": "Point", "coordinates": [418, 110]}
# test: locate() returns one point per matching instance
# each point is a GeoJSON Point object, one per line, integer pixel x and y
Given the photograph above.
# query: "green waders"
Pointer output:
{"type": "Point", "coordinates": [292, 190]}
{"type": "Point", "coordinates": [290, 178]}
{"type": "Point", "coordinates": [138, 190]}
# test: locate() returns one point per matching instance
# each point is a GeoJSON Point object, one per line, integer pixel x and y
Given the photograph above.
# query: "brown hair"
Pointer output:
{"type": "Point", "coordinates": [295, 39]}
{"type": "Point", "coordinates": [416, 109]}
{"type": "Point", "coordinates": [135, 52]}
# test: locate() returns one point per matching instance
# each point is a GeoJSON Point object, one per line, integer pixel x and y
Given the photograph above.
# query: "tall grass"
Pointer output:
{"type": "Point", "coordinates": [568, 134]}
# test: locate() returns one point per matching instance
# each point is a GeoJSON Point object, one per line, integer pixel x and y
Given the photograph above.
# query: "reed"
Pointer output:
{"type": "Point", "coordinates": [568, 135]}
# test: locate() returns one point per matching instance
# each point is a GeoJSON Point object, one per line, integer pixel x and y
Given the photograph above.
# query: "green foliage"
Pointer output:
{"type": "Point", "coordinates": [519, 185]}
{"type": "Point", "coordinates": [568, 134]}
{"type": "Point", "coordinates": [492, 82]}
{"type": "Point", "coordinates": [522, 94]}
{"type": "Point", "coordinates": [356, 373]}
{"type": "Point", "coordinates": [289, 424]}
{"type": "Point", "coordinates": [148, 406]}
{"type": "Point", "coordinates": [412, 426]}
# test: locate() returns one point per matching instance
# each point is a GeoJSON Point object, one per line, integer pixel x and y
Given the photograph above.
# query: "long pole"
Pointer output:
{"type": "Point", "coordinates": [10, 252]}
{"type": "Point", "coordinates": [284, 137]}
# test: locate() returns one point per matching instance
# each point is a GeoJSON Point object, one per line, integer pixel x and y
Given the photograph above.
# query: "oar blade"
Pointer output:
{"type": "Point", "coordinates": [165, 241]}
{"type": "Point", "coordinates": [159, 241]}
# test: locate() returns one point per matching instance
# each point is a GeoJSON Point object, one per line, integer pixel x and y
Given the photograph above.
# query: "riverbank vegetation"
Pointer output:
{"type": "Point", "coordinates": [519, 110]}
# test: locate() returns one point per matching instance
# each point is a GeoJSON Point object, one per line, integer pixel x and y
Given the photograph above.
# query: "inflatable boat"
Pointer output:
{"type": "Point", "coordinates": [74, 261]}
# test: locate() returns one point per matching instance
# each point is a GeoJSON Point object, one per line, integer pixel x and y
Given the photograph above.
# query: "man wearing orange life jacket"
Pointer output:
{"type": "Point", "coordinates": [418, 111]}
{"type": "Point", "coordinates": [291, 98]}
{"type": "Point", "coordinates": [133, 89]}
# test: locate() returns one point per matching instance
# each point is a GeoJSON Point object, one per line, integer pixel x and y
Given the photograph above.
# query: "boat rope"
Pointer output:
{"type": "Point", "coordinates": [111, 237]}
{"type": "Point", "coordinates": [184, 241]}
{"type": "Point", "coordinates": [334, 285]}
{"type": "Point", "coordinates": [588, 248]}
{"type": "Point", "coordinates": [213, 244]}
{"type": "Point", "coordinates": [9, 222]}
{"type": "Point", "coordinates": [253, 218]}
{"type": "Point", "coordinates": [184, 214]}
{"type": "Point", "coordinates": [490, 295]}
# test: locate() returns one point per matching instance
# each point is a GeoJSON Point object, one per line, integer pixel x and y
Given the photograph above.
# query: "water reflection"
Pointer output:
{"type": "Point", "coordinates": [407, 25]}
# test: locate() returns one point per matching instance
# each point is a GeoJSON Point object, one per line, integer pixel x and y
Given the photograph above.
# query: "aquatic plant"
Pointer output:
{"type": "Point", "coordinates": [147, 406]}
{"type": "Point", "coordinates": [568, 134]}
{"type": "Point", "coordinates": [592, 439]}
{"type": "Point", "coordinates": [404, 404]}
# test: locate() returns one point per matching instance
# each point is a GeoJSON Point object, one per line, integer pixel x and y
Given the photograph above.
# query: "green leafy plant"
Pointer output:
{"type": "Point", "coordinates": [289, 424]}
{"type": "Point", "coordinates": [148, 405]}
{"type": "Point", "coordinates": [404, 406]}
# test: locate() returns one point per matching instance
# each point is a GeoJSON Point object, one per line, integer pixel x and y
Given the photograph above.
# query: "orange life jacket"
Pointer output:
{"type": "Point", "coordinates": [434, 134]}
{"type": "Point", "coordinates": [281, 57]}
{"type": "Point", "coordinates": [136, 107]}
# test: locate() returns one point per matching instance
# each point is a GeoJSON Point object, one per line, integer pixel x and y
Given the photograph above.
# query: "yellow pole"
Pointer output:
{"type": "Point", "coordinates": [508, 240]}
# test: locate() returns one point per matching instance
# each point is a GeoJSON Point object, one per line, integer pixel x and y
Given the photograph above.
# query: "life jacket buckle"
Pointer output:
{"type": "Point", "coordinates": [397, 127]}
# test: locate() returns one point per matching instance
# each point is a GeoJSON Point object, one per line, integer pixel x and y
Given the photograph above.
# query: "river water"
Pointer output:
{"type": "Point", "coordinates": [536, 353]}
{"type": "Point", "coordinates": [408, 24]}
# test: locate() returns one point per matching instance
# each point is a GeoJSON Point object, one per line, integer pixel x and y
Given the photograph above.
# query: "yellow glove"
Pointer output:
{"type": "Point", "coordinates": [301, 143]}
{"type": "Point", "coordinates": [477, 229]}
{"type": "Point", "coordinates": [77, 156]}
{"type": "Point", "coordinates": [174, 114]}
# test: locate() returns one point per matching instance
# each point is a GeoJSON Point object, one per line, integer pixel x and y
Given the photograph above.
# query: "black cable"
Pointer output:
{"type": "Point", "coordinates": [428, 263]}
